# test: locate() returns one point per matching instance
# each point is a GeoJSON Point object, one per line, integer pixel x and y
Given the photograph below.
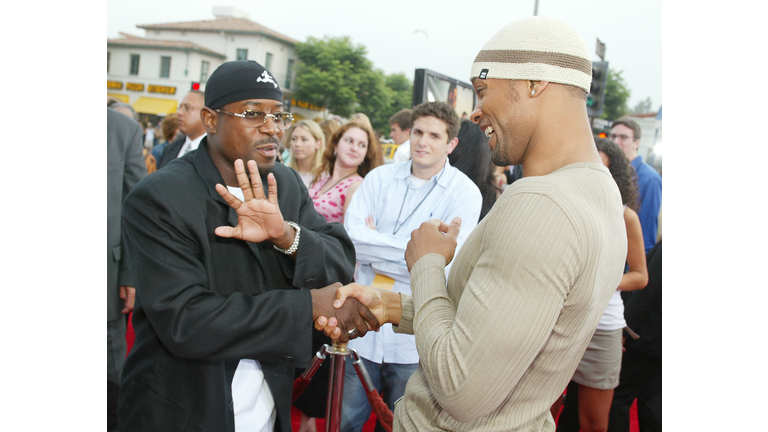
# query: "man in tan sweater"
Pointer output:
{"type": "Point", "coordinates": [498, 343]}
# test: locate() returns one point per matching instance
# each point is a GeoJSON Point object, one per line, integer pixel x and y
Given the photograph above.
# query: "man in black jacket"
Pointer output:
{"type": "Point", "coordinates": [224, 314]}
{"type": "Point", "coordinates": [190, 125]}
{"type": "Point", "coordinates": [641, 364]}
{"type": "Point", "coordinates": [125, 167]}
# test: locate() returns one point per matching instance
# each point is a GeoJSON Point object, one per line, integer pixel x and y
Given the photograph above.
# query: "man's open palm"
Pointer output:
{"type": "Point", "coordinates": [258, 218]}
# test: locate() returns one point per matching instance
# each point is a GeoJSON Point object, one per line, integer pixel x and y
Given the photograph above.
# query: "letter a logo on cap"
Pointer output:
{"type": "Point", "coordinates": [265, 77]}
{"type": "Point", "coordinates": [483, 73]}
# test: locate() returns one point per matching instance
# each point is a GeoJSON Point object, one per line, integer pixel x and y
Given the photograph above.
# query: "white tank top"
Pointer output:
{"type": "Point", "coordinates": [613, 317]}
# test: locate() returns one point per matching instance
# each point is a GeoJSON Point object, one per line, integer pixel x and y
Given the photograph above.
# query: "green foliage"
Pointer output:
{"type": "Point", "coordinates": [398, 92]}
{"type": "Point", "coordinates": [335, 74]}
{"type": "Point", "coordinates": [616, 96]}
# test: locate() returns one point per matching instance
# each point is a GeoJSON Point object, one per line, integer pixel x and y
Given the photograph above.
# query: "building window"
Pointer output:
{"type": "Point", "coordinates": [165, 67]}
{"type": "Point", "coordinates": [242, 54]}
{"type": "Point", "coordinates": [268, 61]}
{"type": "Point", "coordinates": [108, 55]}
{"type": "Point", "coordinates": [134, 64]}
{"type": "Point", "coordinates": [289, 74]}
{"type": "Point", "coordinates": [204, 71]}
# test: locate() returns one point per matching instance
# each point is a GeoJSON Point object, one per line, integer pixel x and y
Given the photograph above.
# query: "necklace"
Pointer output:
{"type": "Point", "coordinates": [397, 228]}
{"type": "Point", "coordinates": [318, 193]}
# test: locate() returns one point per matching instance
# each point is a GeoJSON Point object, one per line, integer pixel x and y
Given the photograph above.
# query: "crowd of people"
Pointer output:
{"type": "Point", "coordinates": [498, 262]}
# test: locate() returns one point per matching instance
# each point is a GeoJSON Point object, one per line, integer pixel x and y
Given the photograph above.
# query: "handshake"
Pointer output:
{"type": "Point", "coordinates": [350, 311]}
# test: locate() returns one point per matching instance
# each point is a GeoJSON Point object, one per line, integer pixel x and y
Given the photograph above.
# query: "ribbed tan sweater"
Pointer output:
{"type": "Point", "coordinates": [525, 294]}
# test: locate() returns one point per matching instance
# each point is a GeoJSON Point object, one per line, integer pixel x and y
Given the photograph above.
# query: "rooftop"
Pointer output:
{"type": "Point", "coordinates": [222, 24]}
{"type": "Point", "coordinates": [131, 41]}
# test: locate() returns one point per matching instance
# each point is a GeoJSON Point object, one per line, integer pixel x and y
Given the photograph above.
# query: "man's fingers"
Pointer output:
{"type": "Point", "coordinates": [228, 197]}
{"type": "Point", "coordinates": [242, 180]}
{"type": "Point", "coordinates": [342, 294]}
{"type": "Point", "coordinates": [371, 321]}
{"type": "Point", "coordinates": [227, 231]}
{"type": "Point", "coordinates": [454, 228]}
{"type": "Point", "coordinates": [258, 188]}
{"type": "Point", "coordinates": [272, 188]}
{"type": "Point", "coordinates": [370, 223]}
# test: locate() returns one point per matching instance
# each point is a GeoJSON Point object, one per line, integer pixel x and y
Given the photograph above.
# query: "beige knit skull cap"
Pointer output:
{"type": "Point", "coordinates": [537, 49]}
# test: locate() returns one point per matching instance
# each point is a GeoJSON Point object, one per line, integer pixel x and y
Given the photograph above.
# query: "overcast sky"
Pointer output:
{"type": "Point", "coordinates": [402, 36]}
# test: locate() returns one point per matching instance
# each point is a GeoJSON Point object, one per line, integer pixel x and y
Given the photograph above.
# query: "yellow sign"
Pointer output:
{"type": "Point", "coordinates": [161, 89]}
{"type": "Point", "coordinates": [114, 85]}
{"type": "Point", "coordinates": [383, 282]}
{"type": "Point", "coordinates": [307, 105]}
{"type": "Point", "coordinates": [134, 86]}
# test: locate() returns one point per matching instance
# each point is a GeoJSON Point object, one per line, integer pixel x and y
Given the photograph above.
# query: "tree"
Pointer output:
{"type": "Point", "coordinates": [335, 74]}
{"type": "Point", "coordinates": [399, 91]}
{"type": "Point", "coordinates": [643, 107]}
{"type": "Point", "coordinates": [616, 96]}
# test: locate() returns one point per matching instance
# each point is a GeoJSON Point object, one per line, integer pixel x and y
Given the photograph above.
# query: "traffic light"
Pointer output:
{"type": "Point", "coordinates": [195, 86]}
{"type": "Point", "coordinates": [596, 97]}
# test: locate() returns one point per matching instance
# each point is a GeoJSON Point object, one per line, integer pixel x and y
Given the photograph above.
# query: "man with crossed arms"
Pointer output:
{"type": "Point", "coordinates": [392, 201]}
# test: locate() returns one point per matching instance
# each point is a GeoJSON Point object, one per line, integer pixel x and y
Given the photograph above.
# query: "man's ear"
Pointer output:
{"type": "Point", "coordinates": [209, 119]}
{"type": "Point", "coordinates": [536, 88]}
{"type": "Point", "coordinates": [452, 144]}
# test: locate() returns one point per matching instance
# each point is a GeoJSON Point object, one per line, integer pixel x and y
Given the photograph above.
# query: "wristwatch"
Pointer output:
{"type": "Point", "coordinates": [295, 244]}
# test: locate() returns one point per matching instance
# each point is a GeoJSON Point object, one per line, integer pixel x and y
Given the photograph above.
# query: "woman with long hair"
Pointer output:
{"type": "Point", "coordinates": [306, 144]}
{"type": "Point", "coordinates": [352, 152]}
{"type": "Point", "coordinates": [590, 393]}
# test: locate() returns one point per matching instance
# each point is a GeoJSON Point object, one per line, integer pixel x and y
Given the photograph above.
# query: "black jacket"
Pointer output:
{"type": "Point", "coordinates": [204, 302]}
{"type": "Point", "coordinates": [642, 309]}
{"type": "Point", "coordinates": [171, 151]}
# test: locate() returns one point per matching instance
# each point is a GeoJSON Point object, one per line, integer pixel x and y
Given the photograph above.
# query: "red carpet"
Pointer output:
{"type": "Point", "coordinates": [370, 425]}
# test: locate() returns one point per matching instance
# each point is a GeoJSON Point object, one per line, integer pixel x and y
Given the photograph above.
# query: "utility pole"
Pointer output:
{"type": "Point", "coordinates": [536, 8]}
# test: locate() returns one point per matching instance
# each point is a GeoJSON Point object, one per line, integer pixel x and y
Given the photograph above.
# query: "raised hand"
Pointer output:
{"type": "Point", "coordinates": [258, 218]}
{"type": "Point", "coordinates": [351, 315]}
{"type": "Point", "coordinates": [433, 236]}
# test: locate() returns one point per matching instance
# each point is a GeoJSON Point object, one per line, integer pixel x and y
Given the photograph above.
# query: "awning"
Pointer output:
{"type": "Point", "coordinates": [155, 106]}
{"type": "Point", "coordinates": [120, 97]}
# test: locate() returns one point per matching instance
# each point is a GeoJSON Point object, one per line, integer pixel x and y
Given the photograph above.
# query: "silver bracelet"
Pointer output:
{"type": "Point", "coordinates": [295, 244]}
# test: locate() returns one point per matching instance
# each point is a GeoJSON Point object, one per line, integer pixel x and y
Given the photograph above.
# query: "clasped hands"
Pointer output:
{"type": "Point", "coordinates": [433, 236]}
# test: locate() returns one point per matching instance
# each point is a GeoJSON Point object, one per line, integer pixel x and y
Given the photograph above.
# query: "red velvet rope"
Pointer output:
{"type": "Point", "coordinates": [381, 409]}
{"type": "Point", "coordinates": [299, 384]}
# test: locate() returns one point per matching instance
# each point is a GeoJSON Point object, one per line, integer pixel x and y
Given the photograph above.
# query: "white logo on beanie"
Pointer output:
{"type": "Point", "coordinates": [266, 78]}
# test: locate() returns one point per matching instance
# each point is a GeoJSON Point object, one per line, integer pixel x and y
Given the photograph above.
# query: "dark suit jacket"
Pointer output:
{"type": "Point", "coordinates": [642, 309]}
{"type": "Point", "coordinates": [125, 167]}
{"type": "Point", "coordinates": [171, 151]}
{"type": "Point", "coordinates": [204, 302]}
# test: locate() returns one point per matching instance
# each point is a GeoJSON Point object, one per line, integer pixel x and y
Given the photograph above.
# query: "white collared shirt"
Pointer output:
{"type": "Point", "coordinates": [190, 145]}
{"type": "Point", "coordinates": [403, 152]}
{"type": "Point", "coordinates": [251, 398]}
{"type": "Point", "coordinates": [389, 194]}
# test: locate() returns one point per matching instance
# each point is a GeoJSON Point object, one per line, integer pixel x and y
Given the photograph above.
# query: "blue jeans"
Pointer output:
{"type": "Point", "coordinates": [388, 378]}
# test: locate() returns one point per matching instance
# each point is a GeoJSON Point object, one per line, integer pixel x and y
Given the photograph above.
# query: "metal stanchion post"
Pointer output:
{"type": "Point", "coordinates": [338, 354]}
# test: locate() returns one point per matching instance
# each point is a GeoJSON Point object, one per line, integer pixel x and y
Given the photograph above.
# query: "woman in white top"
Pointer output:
{"type": "Point", "coordinates": [590, 392]}
{"type": "Point", "coordinates": [307, 143]}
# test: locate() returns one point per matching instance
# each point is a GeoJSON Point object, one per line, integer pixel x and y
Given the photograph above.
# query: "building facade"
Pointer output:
{"type": "Point", "coordinates": [154, 72]}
